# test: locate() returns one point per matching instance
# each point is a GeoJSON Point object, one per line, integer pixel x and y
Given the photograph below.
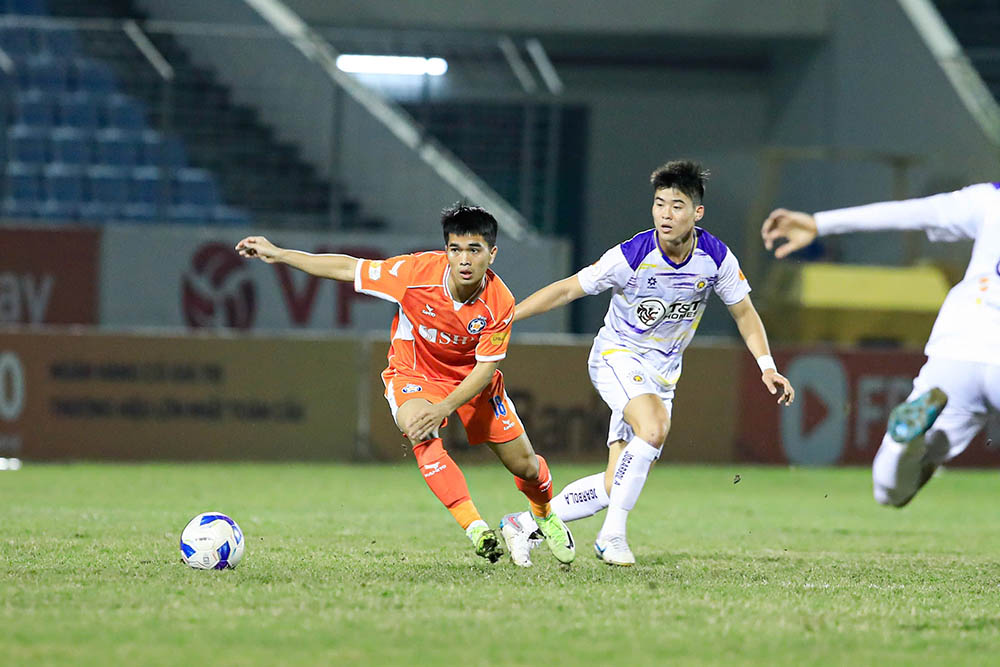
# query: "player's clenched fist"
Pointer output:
{"type": "Point", "coordinates": [259, 247]}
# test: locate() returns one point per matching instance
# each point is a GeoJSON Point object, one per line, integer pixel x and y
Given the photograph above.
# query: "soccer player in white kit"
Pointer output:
{"type": "Point", "coordinates": [960, 382]}
{"type": "Point", "coordinates": [660, 280]}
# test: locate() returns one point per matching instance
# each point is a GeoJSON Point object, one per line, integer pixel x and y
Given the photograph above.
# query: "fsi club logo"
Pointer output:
{"type": "Point", "coordinates": [217, 291]}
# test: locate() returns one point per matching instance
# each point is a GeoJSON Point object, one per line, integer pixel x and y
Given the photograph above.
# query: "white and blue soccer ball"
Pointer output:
{"type": "Point", "coordinates": [212, 541]}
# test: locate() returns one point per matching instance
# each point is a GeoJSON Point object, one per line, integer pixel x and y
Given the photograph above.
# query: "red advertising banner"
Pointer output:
{"type": "Point", "coordinates": [48, 276]}
{"type": "Point", "coordinates": [843, 400]}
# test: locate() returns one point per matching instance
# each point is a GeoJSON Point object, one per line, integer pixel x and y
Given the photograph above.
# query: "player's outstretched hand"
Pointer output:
{"type": "Point", "coordinates": [795, 228]}
{"type": "Point", "coordinates": [777, 383]}
{"type": "Point", "coordinates": [259, 247]}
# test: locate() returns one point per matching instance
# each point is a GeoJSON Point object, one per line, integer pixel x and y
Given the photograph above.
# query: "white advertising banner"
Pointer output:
{"type": "Point", "coordinates": [190, 277]}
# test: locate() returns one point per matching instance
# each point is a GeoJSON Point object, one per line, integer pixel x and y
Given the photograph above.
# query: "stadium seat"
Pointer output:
{"type": "Point", "coordinates": [116, 147]}
{"type": "Point", "coordinates": [195, 187]}
{"type": "Point", "coordinates": [26, 7]}
{"type": "Point", "coordinates": [35, 108]}
{"type": "Point", "coordinates": [22, 181]}
{"type": "Point", "coordinates": [108, 189]}
{"type": "Point", "coordinates": [78, 109]}
{"type": "Point", "coordinates": [23, 190]}
{"type": "Point", "coordinates": [18, 42]}
{"type": "Point", "coordinates": [158, 151]}
{"type": "Point", "coordinates": [63, 190]}
{"type": "Point", "coordinates": [125, 113]}
{"type": "Point", "coordinates": [189, 214]}
{"type": "Point", "coordinates": [27, 144]}
{"type": "Point", "coordinates": [93, 76]}
{"type": "Point", "coordinates": [59, 42]}
{"type": "Point", "coordinates": [70, 145]}
{"type": "Point", "coordinates": [227, 215]}
{"type": "Point", "coordinates": [47, 73]}
{"type": "Point", "coordinates": [145, 185]}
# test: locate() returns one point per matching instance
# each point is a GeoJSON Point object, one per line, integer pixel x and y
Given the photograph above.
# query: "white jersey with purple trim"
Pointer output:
{"type": "Point", "coordinates": [656, 305]}
{"type": "Point", "coordinates": [968, 324]}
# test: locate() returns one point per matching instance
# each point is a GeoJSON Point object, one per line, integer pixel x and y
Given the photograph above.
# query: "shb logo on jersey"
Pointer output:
{"type": "Point", "coordinates": [476, 325]}
{"type": "Point", "coordinates": [650, 312]}
{"type": "Point", "coordinates": [410, 388]}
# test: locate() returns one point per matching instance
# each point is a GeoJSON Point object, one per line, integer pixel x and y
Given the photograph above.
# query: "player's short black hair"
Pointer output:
{"type": "Point", "coordinates": [463, 220]}
{"type": "Point", "coordinates": [684, 175]}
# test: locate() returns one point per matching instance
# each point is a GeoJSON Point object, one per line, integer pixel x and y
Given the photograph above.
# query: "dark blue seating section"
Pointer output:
{"type": "Point", "coordinates": [76, 148]}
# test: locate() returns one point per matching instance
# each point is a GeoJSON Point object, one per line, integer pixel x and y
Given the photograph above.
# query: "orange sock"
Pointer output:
{"type": "Point", "coordinates": [446, 481]}
{"type": "Point", "coordinates": [539, 492]}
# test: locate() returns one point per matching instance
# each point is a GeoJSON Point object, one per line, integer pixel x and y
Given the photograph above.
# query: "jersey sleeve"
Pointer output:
{"type": "Point", "coordinates": [732, 286]}
{"type": "Point", "coordinates": [386, 279]}
{"type": "Point", "coordinates": [950, 216]}
{"type": "Point", "coordinates": [495, 338]}
{"type": "Point", "coordinates": [611, 270]}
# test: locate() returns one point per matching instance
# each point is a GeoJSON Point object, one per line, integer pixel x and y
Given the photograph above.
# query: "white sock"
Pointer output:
{"type": "Point", "coordinates": [630, 475]}
{"type": "Point", "coordinates": [582, 498]}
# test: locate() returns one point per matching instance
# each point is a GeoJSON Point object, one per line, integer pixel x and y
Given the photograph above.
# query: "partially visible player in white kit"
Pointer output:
{"type": "Point", "coordinates": [960, 382]}
{"type": "Point", "coordinates": [660, 280]}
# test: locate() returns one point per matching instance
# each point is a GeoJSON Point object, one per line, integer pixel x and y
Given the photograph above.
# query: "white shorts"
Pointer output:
{"type": "Point", "coordinates": [620, 376]}
{"type": "Point", "coordinates": [973, 390]}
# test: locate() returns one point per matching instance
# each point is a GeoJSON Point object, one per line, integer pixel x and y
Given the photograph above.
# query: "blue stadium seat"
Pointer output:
{"type": "Point", "coordinates": [27, 144]}
{"type": "Point", "coordinates": [195, 187]}
{"type": "Point", "coordinates": [93, 76]}
{"type": "Point", "coordinates": [125, 113]}
{"type": "Point", "coordinates": [78, 109]}
{"type": "Point", "coordinates": [23, 190]}
{"type": "Point", "coordinates": [228, 215]}
{"type": "Point", "coordinates": [167, 152]}
{"type": "Point", "coordinates": [70, 145]}
{"type": "Point", "coordinates": [18, 42]}
{"type": "Point", "coordinates": [108, 189]}
{"type": "Point", "coordinates": [47, 73]}
{"type": "Point", "coordinates": [26, 7]}
{"type": "Point", "coordinates": [189, 214]}
{"type": "Point", "coordinates": [35, 108]}
{"type": "Point", "coordinates": [59, 42]}
{"type": "Point", "coordinates": [145, 185]}
{"type": "Point", "coordinates": [116, 147]}
{"type": "Point", "coordinates": [63, 189]}
{"type": "Point", "coordinates": [22, 181]}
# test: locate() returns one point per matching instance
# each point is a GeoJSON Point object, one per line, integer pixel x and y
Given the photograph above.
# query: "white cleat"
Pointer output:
{"type": "Point", "coordinates": [614, 550]}
{"type": "Point", "coordinates": [518, 538]}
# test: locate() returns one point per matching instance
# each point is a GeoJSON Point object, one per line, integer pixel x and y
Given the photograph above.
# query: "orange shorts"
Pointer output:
{"type": "Point", "coordinates": [488, 417]}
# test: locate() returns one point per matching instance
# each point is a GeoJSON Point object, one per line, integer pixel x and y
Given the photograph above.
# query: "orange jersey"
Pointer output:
{"type": "Point", "coordinates": [433, 336]}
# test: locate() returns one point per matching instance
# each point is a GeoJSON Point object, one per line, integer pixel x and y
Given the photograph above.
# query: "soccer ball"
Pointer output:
{"type": "Point", "coordinates": [211, 541]}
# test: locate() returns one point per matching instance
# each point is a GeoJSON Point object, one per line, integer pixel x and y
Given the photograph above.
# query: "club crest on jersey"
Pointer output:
{"type": "Point", "coordinates": [650, 311]}
{"type": "Point", "coordinates": [476, 325]}
{"type": "Point", "coordinates": [700, 285]}
{"type": "Point", "coordinates": [410, 388]}
{"type": "Point", "coordinates": [638, 379]}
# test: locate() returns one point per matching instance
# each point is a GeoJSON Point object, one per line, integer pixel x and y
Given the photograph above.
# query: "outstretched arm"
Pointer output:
{"type": "Point", "coordinates": [752, 331]}
{"type": "Point", "coordinates": [335, 267]}
{"type": "Point", "coordinates": [551, 296]}
{"type": "Point", "coordinates": [949, 216]}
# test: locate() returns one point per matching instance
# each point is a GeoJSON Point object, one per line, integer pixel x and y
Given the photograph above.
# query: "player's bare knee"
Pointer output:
{"type": "Point", "coordinates": [654, 432]}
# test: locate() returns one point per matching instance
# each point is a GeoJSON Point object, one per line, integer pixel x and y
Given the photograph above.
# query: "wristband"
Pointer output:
{"type": "Point", "coordinates": [766, 363]}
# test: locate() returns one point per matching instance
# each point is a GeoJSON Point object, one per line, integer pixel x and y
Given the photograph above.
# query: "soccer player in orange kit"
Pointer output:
{"type": "Point", "coordinates": [451, 331]}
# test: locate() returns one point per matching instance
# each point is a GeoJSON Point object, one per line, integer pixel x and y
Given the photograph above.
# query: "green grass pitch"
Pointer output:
{"type": "Point", "coordinates": [360, 565]}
